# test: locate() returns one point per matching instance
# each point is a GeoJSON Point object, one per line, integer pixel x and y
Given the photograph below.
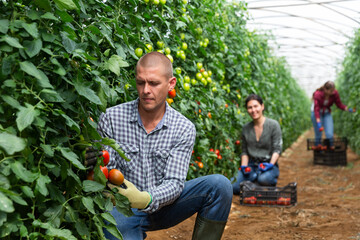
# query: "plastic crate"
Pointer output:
{"type": "Point", "coordinates": [252, 194]}
{"type": "Point", "coordinates": [330, 158]}
{"type": "Point", "coordinates": [340, 145]}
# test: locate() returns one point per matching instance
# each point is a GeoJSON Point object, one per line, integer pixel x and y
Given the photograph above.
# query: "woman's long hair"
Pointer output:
{"type": "Point", "coordinates": [328, 85]}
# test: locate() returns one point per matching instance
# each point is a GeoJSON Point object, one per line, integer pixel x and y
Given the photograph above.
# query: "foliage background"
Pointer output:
{"type": "Point", "coordinates": [63, 62]}
{"type": "Point", "coordinates": [348, 85]}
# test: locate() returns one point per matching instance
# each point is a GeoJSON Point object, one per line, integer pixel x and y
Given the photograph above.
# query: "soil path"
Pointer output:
{"type": "Point", "coordinates": [328, 204]}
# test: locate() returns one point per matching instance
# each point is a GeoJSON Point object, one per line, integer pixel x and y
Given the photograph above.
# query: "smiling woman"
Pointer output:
{"type": "Point", "coordinates": [261, 147]}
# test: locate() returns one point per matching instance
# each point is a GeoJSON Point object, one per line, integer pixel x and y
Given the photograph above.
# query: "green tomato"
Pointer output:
{"type": "Point", "coordinates": [167, 51]}
{"type": "Point", "coordinates": [193, 81]}
{"type": "Point", "coordinates": [184, 46]}
{"type": "Point", "coordinates": [182, 36]}
{"type": "Point", "coordinates": [184, 1]}
{"type": "Point", "coordinates": [156, 2]}
{"type": "Point", "coordinates": [146, 1]}
{"type": "Point", "coordinates": [238, 96]}
{"type": "Point", "coordinates": [160, 51]}
{"type": "Point", "coordinates": [127, 86]}
{"type": "Point", "coordinates": [187, 79]}
{"type": "Point", "coordinates": [205, 74]}
{"type": "Point", "coordinates": [206, 40]}
{"type": "Point", "coordinates": [210, 73]}
{"type": "Point", "coordinates": [214, 89]}
{"type": "Point", "coordinates": [183, 56]}
{"type": "Point", "coordinates": [199, 30]}
{"type": "Point", "coordinates": [203, 81]}
{"type": "Point", "coordinates": [201, 43]}
{"type": "Point", "coordinates": [170, 57]}
{"type": "Point", "coordinates": [178, 70]}
{"type": "Point", "coordinates": [138, 52]}
{"type": "Point", "coordinates": [208, 79]}
{"type": "Point", "coordinates": [186, 86]}
{"type": "Point", "coordinates": [199, 65]}
{"type": "Point", "coordinates": [149, 47]}
{"type": "Point", "coordinates": [205, 44]}
{"type": "Point", "coordinates": [178, 53]}
{"type": "Point", "coordinates": [160, 44]}
{"type": "Point", "coordinates": [163, 2]}
{"type": "Point", "coordinates": [199, 76]}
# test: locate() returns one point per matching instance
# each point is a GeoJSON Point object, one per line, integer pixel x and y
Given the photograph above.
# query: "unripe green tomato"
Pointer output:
{"type": "Point", "coordinates": [224, 87]}
{"type": "Point", "coordinates": [199, 76]}
{"type": "Point", "coordinates": [186, 86]}
{"type": "Point", "coordinates": [182, 52]}
{"type": "Point", "coordinates": [203, 80]}
{"type": "Point", "coordinates": [187, 79]}
{"type": "Point", "coordinates": [146, 1]}
{"type": "Point", "coordinates": [199, 65]}
{"type": "Point", "coordinates": [228, 90]}
{"type": "Point", "coordinates": [138, 52]}
{"type": "Point", "coordinates": [201, 43]}
{"type": "Point", "coordinates": [214, 89]}
{"type": "Point", "coordinates": [167, 51]}
{"type": "Point", "coordinates": [205, 74]}
{"type": "Point", "coordinates": [184, 10]}
{"type": "Point", "coordinates": [163, 2]}
{"type": "Point", "coordinates": [149, 47]}
{"type": "Point", "coordinates": [210, 73]}
{"type": "Point", "coordinates": [205, 44]}
{"type": "Point", "coordinates": [156, 2]}
{"type": "Point", "coordinates": [183, 56]}
{"type": "Point", "coordinates": [208, 79]}
{"type": "Point", "coordinates": [199, 30]}
{"type": "Point", "coordinates": [170, 57]}
{"type": "Point", "coordinates": [160, 51]}
{"type": "Point", "coordinates": [160, 44]}
{"type": "Point", "coordinates": [206, 40]}
{"type": "Point", "coordinates": [238, 96]}
{"type": "Point", "coordinates": [184, 1]}
{"type": "Point", "coordinates": [178, 70]}
{"type": "Point", "coordinates": [193, 81]}
{"type": "Point", "coordinates": [184, 46]}
{"type": "Point", "coordinates": [178, 53]}
{"type": "Point", "coordinates": [127, 86]}
{"type": "Point", "coordinates": [182, 36]}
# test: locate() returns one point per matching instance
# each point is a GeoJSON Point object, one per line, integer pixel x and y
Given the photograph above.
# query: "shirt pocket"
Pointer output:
{"type": "Point", "coordinates": [159, 160]}
{"type": "Point", "coordinates": [132, 153]}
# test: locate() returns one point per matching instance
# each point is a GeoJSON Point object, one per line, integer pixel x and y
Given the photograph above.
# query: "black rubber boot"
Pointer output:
{"type": "Point", "coordinates": [206, 229]}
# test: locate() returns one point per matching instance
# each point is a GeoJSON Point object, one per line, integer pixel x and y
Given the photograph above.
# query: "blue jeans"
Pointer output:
{"type": "Point", "coordinates": [268, 178]}
{"type": "Point", "coordinates": [210, 196]}
{"type": "Point", "coordinates": [328, 124]}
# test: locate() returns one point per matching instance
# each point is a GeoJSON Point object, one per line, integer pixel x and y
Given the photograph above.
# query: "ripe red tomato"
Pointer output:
{"type": "Point", "coordinates": [237, 142]}
{"type": "Point", "coordinates": [172, 93]}
{"type": "Point", "coordinates": [219, 157]}
{"type": "Point", "coordinates": [106, 157]}
{"type": "Point", "coordinates": [211, 150]}
{"type": "Point", "coordinates": [261, 166]}
{"type": "Point", "coordinates": [105, 171]}
{"type": "Point", "coordinates": [247, 169]}
{"type": "Point", "coordinates": [217, 151]}
{"type": "Point", "coordinates": [116, 177]}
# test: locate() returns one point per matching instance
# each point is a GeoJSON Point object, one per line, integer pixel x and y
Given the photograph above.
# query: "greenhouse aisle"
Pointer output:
{"type": "Point", "coordinates": [326, 208]}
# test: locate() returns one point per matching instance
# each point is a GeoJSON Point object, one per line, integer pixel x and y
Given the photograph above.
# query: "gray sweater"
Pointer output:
{"type": "Point", "coordinates": [270, 140]}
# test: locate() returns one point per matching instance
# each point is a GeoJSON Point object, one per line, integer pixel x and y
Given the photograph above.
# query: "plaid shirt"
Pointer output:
{"type": "Point", "coordinates": [159, 159]}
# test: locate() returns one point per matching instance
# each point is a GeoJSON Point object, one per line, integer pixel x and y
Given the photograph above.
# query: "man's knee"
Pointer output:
{"type": "Point", "coordinates": [222, 185]}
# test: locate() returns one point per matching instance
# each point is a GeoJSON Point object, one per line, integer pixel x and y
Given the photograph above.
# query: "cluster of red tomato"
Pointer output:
{"type": "Point", "coordinates": [321, 148]}
{"type": "Point", "coordinates": [217, 152]}
{"type": "Point", "coordinates": [280, 201]}
{"type": "Point", "coordinates": [114, 176]}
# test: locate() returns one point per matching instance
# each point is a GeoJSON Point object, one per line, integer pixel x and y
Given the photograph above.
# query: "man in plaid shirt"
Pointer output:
{"type": "Point", "coordinates": [159, 141]}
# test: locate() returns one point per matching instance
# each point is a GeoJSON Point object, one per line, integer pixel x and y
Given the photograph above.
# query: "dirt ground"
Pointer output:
{"type": "Point", "coordinates": [328, 203]}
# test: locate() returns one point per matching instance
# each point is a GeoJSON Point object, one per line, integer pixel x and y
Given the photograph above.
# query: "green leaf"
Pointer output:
{"type": "Point", "coordinates": [49, 16]}
{"type": "Point", "coordinates": [26, 116]}
{"type": "Point", "coordinates": [41, 185]}
{"type": "Point", "coordinates": [11, 143]}
{"type": "Point", "coordinates": [74, 176]}
{"type": "Point", "coordinates": [47, 150]}
{"type": "Point", "coordinates": [6, 205]}
{"type": "Point", "coordinates": [14, 42]}
{"type": "Point", "coordinates": [22, 173]}
{"type": "Point", "coordinates": [115, 63]}
{"type": "Point", "coordinates": [51, 96]}
{"type": "Point", "coordinates": [69, 44]}
{"type": "Point", "coordinates": [27, 191]}
{"type": "Point", "coordinates": [8, 64]}
{"type": "Point", "coordinates": [18, 200]}
{"type": "Point", "coordinates": [114, 231]}
{"type": "Point", "coordinates": [71, 123]}
{"type": "Point", "coordinates": [11, 101]}
{"type": "Point", "coordinates": [32, 48]}
{"type": "Point", "coordinates": [88, 203]}
{"type": "Point", "coordinates": [112, 143]}
{"type": "Point", "coordinates": [66, 4]}
{"type": "Point", "coordinates": [64, 234]}
{"type": "Point", "coordinates": [82, 229]}
{"type": "Point", "coordinates": [4, 25]}
{"type": "Point", "coordinates": [4, 182]}
{"type": "Point", "coordinates": [72, 157]}
{"type": "Point", "coordinates": [83, 88]}
{"type": "Point", "coordinates": [108, 217]}
{"type": "Point", "coordinates": [31, 28]}
{"type": "Point", "coordinates": [123, 205]}
{"type": "Point", "coordinates": [60, 70]}
{"type": "Point", "coordinates": [92, 186]}
{"type": "Point", "coordinates": [3, 218]}
{"type": "Point", "coordinates": [31, 69]}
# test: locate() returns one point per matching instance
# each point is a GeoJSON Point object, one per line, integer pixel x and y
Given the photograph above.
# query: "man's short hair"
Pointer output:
{"type": "Point", "coordinates": [154, 59]}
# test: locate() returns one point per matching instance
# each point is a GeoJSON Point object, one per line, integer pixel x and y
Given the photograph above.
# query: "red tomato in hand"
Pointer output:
{"type": "Point", "coordinates": [106, 157]}
{"type": "Point", "coordinates": [247, 169]}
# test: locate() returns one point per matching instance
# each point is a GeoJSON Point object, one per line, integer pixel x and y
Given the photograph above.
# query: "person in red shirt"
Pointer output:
{"type": "Point", "coordinates": [324, 97]}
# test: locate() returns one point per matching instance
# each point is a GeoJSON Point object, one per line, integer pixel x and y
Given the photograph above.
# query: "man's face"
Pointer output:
{"type": "Point", "coordinates": [153, 86]}
{"type": "Point", "coordinates": [255, 109]}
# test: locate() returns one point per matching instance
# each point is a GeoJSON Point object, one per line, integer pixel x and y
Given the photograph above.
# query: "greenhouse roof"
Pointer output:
{"type": "Point", "coordinates": [311, 34]}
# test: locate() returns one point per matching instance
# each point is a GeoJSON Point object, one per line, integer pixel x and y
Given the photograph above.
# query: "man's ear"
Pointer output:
{"type": "Point", "coordinates": [172, 83]}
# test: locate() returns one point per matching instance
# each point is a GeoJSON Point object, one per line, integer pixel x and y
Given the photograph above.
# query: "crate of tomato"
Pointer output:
{"type": "Point", "coordinates": [252, 194]}
{"type": "Point", "coordinates": [327, 153]}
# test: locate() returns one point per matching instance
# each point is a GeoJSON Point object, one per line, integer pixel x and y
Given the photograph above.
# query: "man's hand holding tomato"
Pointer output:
{"type": "Point", "coordinates": [91, 156]}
